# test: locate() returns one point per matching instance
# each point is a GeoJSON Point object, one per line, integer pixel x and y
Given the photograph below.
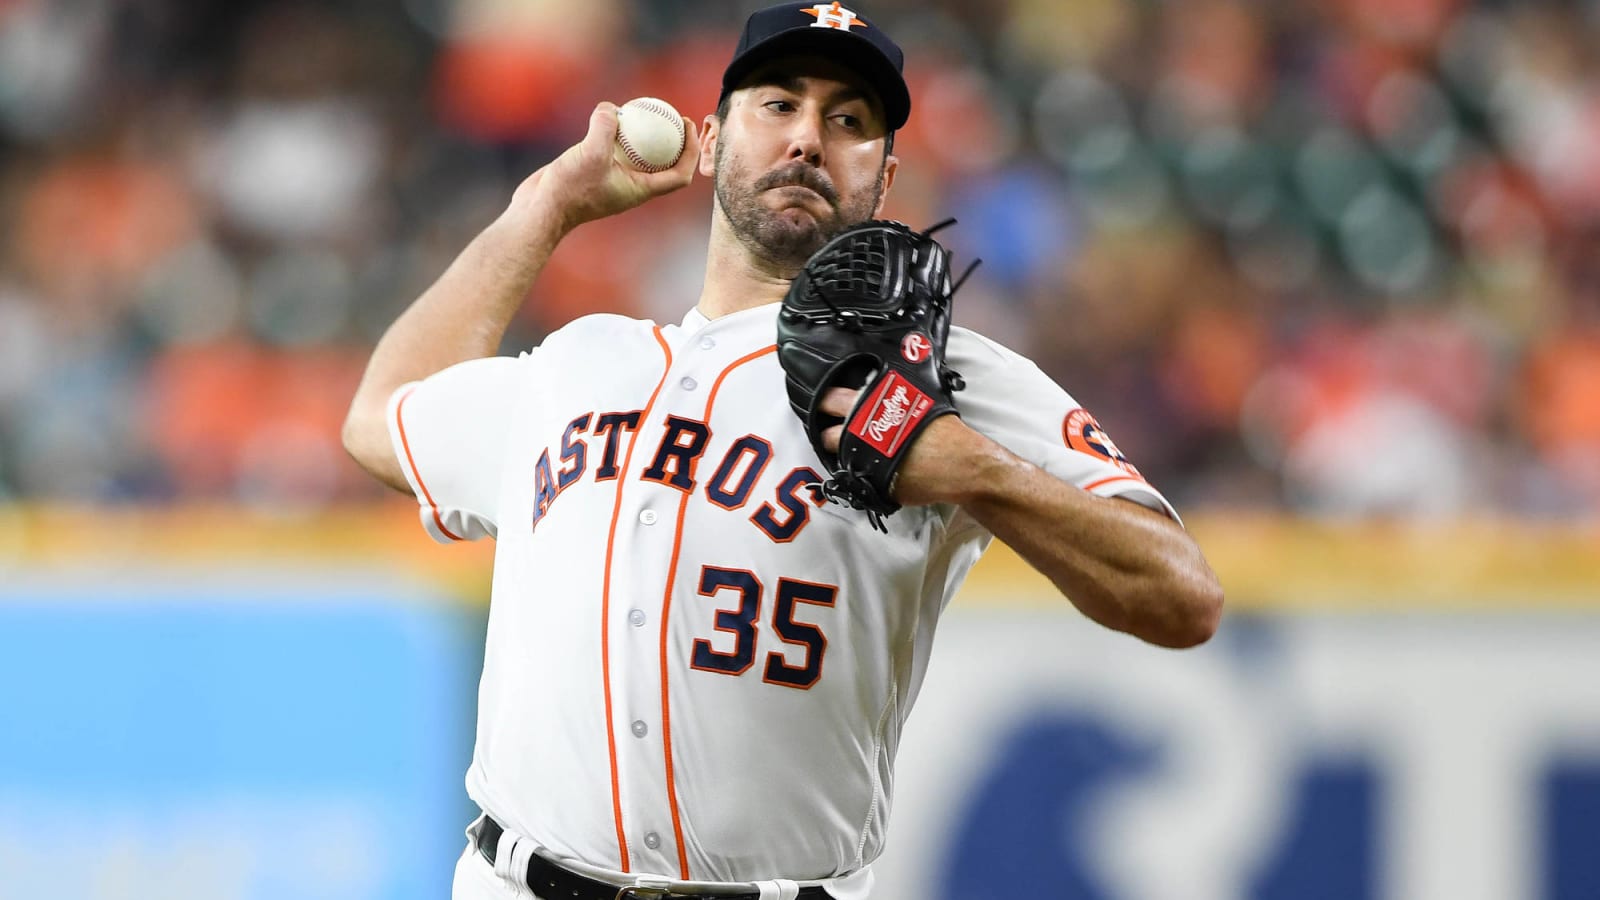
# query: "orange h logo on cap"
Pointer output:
{"type": "Point", "coordinates": [832, 16]}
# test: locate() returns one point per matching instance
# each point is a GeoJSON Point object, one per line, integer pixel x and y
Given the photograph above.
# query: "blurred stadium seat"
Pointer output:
{"type": "Point", "coordinates": [1216, 223]}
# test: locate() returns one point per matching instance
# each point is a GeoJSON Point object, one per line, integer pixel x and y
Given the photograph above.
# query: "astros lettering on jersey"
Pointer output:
{"type": "Point", "coordinates": [661, 536]}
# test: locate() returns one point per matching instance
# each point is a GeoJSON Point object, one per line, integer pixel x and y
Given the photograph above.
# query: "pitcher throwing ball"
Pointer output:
{"type": "Point", "coordinates": [720, 562]}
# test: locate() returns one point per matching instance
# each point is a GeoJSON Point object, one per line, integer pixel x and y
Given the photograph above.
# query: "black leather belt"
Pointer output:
{"type": "Point", "coordinates": [552, 882]}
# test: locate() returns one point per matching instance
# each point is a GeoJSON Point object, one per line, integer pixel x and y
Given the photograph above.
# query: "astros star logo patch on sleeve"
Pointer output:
{"type": "Point", "coordinates": [1083, 434]}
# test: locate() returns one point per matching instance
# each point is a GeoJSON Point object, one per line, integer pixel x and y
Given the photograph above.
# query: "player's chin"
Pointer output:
{"type": "Point", "coordinates": [792, 239]}
{"type": "Point", "coordinates": [793, 201]}
{"type": "Point", "coordinates": [799, 219]}
{"type": "Point", "coordinates": [797, 224]}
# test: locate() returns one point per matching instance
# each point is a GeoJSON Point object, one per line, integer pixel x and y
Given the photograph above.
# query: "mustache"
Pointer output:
{"type": "Point", "coordinates": [800, 175]}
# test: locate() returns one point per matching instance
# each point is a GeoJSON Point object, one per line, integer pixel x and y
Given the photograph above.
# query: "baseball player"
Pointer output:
{"type": "Point", "coordinates": [697, 667]}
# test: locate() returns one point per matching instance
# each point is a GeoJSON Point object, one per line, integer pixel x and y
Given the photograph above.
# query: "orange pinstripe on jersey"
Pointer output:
{"type": "Point", "coordinates": [1113, 478]}
{"type": "Point", "coordinates": [605, 609]}
{"type": "Point", "coordinates": [666, 606]}
{"type": "Point", "coordinates": [406, 443]}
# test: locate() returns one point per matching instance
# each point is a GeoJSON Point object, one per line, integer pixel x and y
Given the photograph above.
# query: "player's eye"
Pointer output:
{"type": "Point", "coordinates": [779, 105]}
{"type": "Point", "coordinates": [849, 121]}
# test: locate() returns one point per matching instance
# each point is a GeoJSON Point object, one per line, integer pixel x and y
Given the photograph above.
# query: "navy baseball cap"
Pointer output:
{"type": "Point", "coordinates": [830, 30]}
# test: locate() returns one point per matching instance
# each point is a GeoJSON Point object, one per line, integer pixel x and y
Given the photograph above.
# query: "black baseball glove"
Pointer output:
{"type": "Point", "coordinates": [870, 310]}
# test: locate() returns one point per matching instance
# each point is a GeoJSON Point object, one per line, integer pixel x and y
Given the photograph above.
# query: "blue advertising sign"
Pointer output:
{"type": "Point", "coordinates": [1295, 757]}
{"type": "Point", "coordinates": [251, 738]}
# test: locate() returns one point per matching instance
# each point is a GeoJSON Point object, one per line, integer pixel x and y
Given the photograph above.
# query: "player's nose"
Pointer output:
{"type": "Point", "coordinates": [805, 138]}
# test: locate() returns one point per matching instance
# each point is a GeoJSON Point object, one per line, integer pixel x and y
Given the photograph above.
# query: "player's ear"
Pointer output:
{"type": "Point", "coordinates": [710, 127]}
{"type": "Point", "coordinates": [891, 164]}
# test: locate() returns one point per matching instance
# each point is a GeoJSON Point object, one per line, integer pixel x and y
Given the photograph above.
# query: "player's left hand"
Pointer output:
{"type": "Point", "coordinates": [938, 467]}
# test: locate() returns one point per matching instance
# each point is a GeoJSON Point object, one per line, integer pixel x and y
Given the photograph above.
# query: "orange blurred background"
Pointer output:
{"type": "Point", "coordinates": [1332, 258]}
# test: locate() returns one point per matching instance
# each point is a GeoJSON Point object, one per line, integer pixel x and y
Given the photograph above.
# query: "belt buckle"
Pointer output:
{"type": "Point", "coordinates": [645, 892]}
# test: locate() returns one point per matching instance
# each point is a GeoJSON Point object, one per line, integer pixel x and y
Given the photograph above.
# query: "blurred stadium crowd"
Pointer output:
{"type": "Point", "coordinates": [1339, 257]}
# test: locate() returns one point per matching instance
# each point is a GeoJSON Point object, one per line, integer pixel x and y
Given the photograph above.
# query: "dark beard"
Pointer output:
{"type": "Point", "coordinates": [780, 243]}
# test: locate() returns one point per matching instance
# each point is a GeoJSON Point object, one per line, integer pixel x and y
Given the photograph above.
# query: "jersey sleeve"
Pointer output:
{"type": "Point", "coordinates": [450, 433]}
{"type": "Point", "coordinates": [1011, 401]}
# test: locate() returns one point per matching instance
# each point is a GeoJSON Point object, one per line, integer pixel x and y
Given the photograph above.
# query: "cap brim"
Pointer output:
{"type": "Point", "coordinates": [850, 50]}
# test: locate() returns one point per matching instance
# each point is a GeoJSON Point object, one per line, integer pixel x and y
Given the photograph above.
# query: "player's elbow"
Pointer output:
{"type": "Point", "coordinates": [1190, 611]}
{"type": "Point", "coordinates": [353, 435]}
{"type": "Point", "coordinates": [365, 436]}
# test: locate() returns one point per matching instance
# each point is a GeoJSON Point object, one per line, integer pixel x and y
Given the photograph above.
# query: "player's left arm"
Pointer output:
{"type": "Point", "coordinates": [1123, 565]}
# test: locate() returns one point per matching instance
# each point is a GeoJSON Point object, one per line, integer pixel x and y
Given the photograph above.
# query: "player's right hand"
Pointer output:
{"type": "Point", "coordinates": [587, 182]}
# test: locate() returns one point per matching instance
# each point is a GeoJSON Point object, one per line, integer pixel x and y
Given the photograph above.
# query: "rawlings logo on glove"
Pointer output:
{"type": "Point", "coordinates": [874, 418]}
{"type": "Point", "coordinates": [870, 311]}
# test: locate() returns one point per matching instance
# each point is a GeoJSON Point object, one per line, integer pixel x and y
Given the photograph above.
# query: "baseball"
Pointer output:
{"type": "Point", "coordinates": [650, 135]}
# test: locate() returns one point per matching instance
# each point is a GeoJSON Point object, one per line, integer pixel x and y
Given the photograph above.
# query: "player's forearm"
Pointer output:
{"type": "Point", "coordinates": [465, 313]}
{"type": "Point", "coordinates": [1127, 567]}
{"type": "Point", "coordinates": [462, 316]}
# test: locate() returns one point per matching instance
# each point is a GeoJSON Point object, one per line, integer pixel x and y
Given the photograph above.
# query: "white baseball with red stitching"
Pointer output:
{"type": "Point", "coordinates": [650, 135]}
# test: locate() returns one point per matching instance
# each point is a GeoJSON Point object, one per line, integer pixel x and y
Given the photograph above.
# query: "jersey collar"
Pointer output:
{"type": "Point", "coordinates": [694, 319]}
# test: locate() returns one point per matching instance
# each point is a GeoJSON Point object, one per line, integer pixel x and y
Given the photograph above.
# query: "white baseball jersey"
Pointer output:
{"type": "Point", "coordinates": [695, 666]}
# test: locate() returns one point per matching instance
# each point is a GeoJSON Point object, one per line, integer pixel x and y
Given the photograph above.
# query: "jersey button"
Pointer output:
{"type": "Point", "coordinates": [636, 618]}
{"type": "Point", "coordinates": [639, 728]}
{"type": "Point", "coordinates": [707, 343]}
{"type": "Point", "coordinates": [652, 840]}
{"type": "Point", "coordinates": [688, 383]}
{"type": "Point", "coordinates": [648, 517]}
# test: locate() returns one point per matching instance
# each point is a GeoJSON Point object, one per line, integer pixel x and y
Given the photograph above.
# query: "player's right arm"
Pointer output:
{"type": "Point", "coordinates": [465, 313]}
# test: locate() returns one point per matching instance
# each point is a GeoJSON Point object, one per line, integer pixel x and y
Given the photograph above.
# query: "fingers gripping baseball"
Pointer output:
{"type": "Point", "coordinates": [588, 182]}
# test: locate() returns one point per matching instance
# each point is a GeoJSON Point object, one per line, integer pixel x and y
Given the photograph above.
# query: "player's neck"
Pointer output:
{"type": "Point", "coordinates": [737, 279]}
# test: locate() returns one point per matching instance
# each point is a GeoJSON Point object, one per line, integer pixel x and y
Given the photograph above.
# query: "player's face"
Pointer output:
{"type": "Point", "coordinates": [799, 158]}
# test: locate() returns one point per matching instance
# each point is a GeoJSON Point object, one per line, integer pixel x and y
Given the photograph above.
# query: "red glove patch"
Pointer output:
{"type": "Point", "coordinates": [890, 414]}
